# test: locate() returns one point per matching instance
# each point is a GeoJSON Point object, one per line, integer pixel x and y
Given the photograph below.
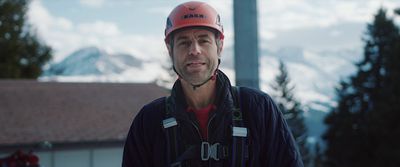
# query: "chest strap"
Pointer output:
{"type": "Point", "coordinates": [207, 152]}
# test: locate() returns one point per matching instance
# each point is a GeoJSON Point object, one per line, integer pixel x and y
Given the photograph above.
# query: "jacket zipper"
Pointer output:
{"type": "Point", "coordinates": [198, 130]}
{"type": "Point", "coordinates": [196, 127]}
{"type": "Point", "coordinates": [208, 125]}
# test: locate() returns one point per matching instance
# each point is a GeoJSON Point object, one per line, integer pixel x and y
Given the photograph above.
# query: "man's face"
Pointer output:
{"type": "Point", "coordinates": [195, 54]}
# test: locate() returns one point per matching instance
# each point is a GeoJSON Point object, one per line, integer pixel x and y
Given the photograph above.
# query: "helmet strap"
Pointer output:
{"type": "Point", "coordinates": [195, 86]}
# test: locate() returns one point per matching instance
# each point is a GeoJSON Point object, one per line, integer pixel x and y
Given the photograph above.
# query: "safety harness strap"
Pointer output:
{"type": "Point", "coordinates": [171, 127]}
{"type": "Point", "coordinates": [239, 133]}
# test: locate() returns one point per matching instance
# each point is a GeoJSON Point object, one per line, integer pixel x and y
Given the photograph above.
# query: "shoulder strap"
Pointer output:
{"type": "Point", "coordinates": [170, 126]}
{"type": "Point", "coordinates": [239, 132]}
{"type": "Point", "coordinates": [237, 114]}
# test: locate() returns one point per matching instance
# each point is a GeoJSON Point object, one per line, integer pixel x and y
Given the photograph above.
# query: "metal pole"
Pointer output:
{"type": "Point", "coordinates": [246, 43]}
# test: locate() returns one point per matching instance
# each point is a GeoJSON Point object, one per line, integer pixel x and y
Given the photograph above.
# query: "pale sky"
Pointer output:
{"type": "Point", "coordinates": [137, 26]}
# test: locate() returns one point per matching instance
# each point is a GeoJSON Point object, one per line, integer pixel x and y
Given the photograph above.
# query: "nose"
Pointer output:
{"type": "Point", "coordinates": [194, 49]}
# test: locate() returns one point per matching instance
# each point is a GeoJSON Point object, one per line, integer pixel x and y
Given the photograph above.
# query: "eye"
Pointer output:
{"type": "Point", "coordinates": [184, 43]}
{"type": "Point", "coordinates": [203, 41]}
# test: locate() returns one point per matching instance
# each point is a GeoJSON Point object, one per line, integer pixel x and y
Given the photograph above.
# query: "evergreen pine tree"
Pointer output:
{"type": "Point", "coordinates": [385, 111]}
{"type": "Point", "coordinates": [360, 129]}
{"type": "Point", "coordinates": [22, 55]}
{"type": "Point", "coordinates": [318, 159]}
{"type": "Point", "coordinates": [397, 11]}
{"type": "Point", "coordinates": [291, 110]}
{"type": "Point", "coordinates": [344, 137]}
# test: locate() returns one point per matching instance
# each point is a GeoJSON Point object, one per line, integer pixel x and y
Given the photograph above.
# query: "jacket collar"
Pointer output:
{"type": "Point", "coordinates": [223, 100]}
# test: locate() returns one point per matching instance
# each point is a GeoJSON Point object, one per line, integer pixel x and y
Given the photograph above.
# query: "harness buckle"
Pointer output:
{"type": "Point", "coordinates": [205, 151]}
{"type": "Point", "coordinates": [208, 151]}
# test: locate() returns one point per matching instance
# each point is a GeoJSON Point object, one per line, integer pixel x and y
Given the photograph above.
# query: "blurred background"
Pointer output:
{"type": "Point", "coordinates": [75, 73]}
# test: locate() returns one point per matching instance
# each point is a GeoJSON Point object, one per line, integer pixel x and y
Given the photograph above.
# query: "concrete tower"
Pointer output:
{"type": "Point", "coordinates": [246, 43]}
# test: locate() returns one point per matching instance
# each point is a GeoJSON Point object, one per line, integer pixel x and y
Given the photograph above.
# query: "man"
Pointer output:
{"type": "Point", "coordinates": [206, 121]}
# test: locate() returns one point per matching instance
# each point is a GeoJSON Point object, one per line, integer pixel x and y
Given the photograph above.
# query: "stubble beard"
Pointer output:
{"type": "Point", "coordinates": [197, 77]}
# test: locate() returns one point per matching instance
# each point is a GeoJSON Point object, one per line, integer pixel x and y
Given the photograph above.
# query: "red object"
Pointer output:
{"type": "Point", "coordinates": [20, 159]}
{"type": "Point", "coordinates": [202, 118]}
{"type": "Point", "coordinates": [33, 159]}
{"type": "Point", "coordinates": [192, 14]}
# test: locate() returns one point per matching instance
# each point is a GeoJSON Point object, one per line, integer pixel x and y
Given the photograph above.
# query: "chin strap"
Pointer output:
{"type": "Point", "coordinates": [212, 77]}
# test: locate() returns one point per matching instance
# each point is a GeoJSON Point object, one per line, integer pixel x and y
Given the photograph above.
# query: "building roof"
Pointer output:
{"type": "Point", "coordinates": [33, 112]}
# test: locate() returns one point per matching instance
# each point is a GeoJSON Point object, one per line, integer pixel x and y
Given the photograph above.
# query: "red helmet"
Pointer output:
{"type": "Point", "coordinates": [192, 14]}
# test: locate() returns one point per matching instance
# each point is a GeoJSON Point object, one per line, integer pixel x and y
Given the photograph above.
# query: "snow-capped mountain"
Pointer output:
{"type": "Point", "coordinates": [314, 74]}
{"type": "Point", "coordinates": [94, 64]}
{"type": "Point", "coordinates": [93, 61]}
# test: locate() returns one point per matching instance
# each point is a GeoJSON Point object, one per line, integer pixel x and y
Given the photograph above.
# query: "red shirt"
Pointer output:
{"type": "Point", "coordinates": [202, 118]}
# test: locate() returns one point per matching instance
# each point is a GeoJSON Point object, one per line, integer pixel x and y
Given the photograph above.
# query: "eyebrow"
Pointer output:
{"type": "Point", "coordinates": [182, 38]}
{"type": "Point", "coordinates": [204, 36]}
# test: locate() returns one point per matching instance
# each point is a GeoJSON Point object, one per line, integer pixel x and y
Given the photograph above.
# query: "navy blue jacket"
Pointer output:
{"type": "Point", "coordinates": [271, 143]}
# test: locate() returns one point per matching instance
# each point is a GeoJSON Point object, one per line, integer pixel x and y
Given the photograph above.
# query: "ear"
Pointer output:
{"type": "Point", "coordinates": [169, 49]}
{"type": "Point", "coordinates": [220, 47]}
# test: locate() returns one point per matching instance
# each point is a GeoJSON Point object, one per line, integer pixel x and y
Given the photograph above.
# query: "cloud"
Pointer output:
{"type": "Point", "coordinates": [146, 47]}
{"type": "Point", "coordinates": [278, 15]}
{"type": "Point", "coordinates": [345, 35]}
{"type": "Point", "coordinates": [99, 28]}
{"type": "Point", "coordinates": [92, 3]}
{"type": "Point", "coordinates": [224, 8]}
{"type": "Point", "coordinates": [160, 10]}
{"type": "Point", "coordinates": [65, 36]}
{"type": "Point", "coordinates": [56, 31]}
{"type": "Point", "coordinates": [316, 24]}
{"type": "Point", "coordinates": [38, 14]}
{"type": "Point", "coordinates": [305, 23]}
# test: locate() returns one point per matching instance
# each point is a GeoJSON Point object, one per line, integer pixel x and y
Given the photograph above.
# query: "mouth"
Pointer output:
{"type": "Point", "coordinates": [195, 64]}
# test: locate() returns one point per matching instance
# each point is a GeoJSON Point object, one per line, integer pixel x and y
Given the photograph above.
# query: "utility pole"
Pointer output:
{"type": "Point", "coordinates": [246, 43]}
